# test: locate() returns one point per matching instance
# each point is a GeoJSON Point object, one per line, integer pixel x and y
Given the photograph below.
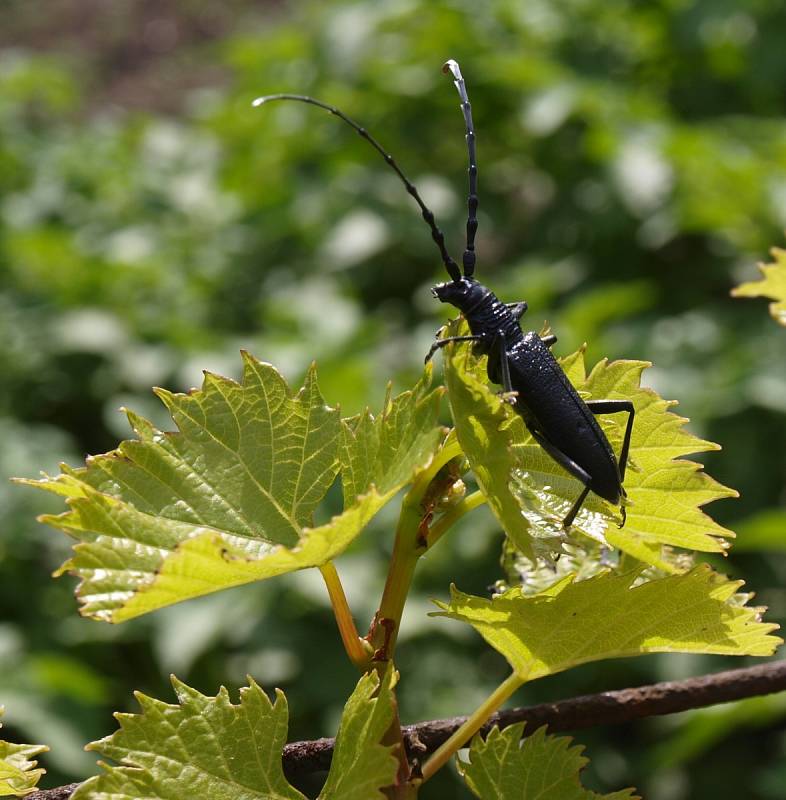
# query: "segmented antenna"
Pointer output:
{"type": "Point", "coordinates": [436, 234]}
{"type": "Point", "coordinates": [472, 201]}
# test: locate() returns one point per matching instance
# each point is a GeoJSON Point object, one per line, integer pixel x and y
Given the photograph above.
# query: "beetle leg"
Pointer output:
{"type": "Point", "coordinates": [499, 351]}
{"type": "Point", "coordinates": [571, 515]}
{"type": "Point", "coordinates": [549, 340]}
{"type": "Point", "coordinates": [517, 309]}
{"type": "Point", "coordinates": [442, 342]}
{"type": "Point", "coordinates": [614, 407]}
{"type": "Point", "coordinates": [571, 466]}
{"type": "Point", "coordinates": [502, 354]}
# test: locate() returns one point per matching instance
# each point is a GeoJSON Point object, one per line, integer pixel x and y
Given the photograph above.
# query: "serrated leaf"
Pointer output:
{"type": "Point", "coordinates": [18, 773]}
{"type": "Point", "coordinates": [540, 767]}
{"type": "Point", "coordinates": [387, 450]}
{"type": "Point", "coordinates": [609, 616]}
{"type": "Point", "coordinates": [482, 425]}
{"type": "Point", "coordinates": [129, 575]}
{"type": "Point", "coordinates": [666, 491]}
{"type": "Point", "coordinates": [207, 748]}
{"type": "Point", "coordinates": [203, 748]}
{"type": "Point", "coordinates": [530, 493]}
{"type": "Point", "coordinates": [225, 499]}
{"type": "Point", "coordinates": [361, 766]}
{"type": "Point", "coordinates": [772, 285]}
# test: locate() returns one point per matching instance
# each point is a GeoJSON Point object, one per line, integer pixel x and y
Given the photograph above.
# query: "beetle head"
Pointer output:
{"type": "Point", "coordinates": [463, 293]}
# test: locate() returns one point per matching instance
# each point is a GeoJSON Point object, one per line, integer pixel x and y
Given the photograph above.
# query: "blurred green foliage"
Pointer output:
{"type": "Point", "coordinates": [632, 163]}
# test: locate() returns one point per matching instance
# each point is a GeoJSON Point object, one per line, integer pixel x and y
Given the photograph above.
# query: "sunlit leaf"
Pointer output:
{"type": "Point", "coordinates": [530, 493]}
{"type": "Point", "coordinates": [541, 767]}
{"type": "Point", "coordinates": [361, 766]}
{"type": "Point", "coordinates": [228, 497]}
{"type": "Point", "coordinates": [665, 491]}
{"type": "Point", "coordinates": [18, 773]}
{"type": "Point", "coordinates": [387, 449]}
{"type": "Point", "coordinates": [203, 747]}
{"type": "Point", "coordinates": [484, 430]}
{"type": "Point", "coordinates": [207, 748]}
{"type": "Point", "coordinates": [772, 285]}
{"type": "Point", "coordinates": [611, 616]}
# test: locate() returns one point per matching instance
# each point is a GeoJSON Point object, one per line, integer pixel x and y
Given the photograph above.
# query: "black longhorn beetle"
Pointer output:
{"type": "Point", "coordinates": [561, 422]}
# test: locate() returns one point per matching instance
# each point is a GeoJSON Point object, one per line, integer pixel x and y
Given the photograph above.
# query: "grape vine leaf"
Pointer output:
{"type": "Point", "coordinates": [203, 747]}
{"type": "Point", "coordinates": [772, 285]}
{"type": "Point", "coordinates": [361, 766]}
{"type": "Point", "coordinates": [530, 493]}
{"type": "Point", "coordinates": [613, 616]}
{"type": "Point", "coordinates": [207, 748]}
{"type": "Point", "coordinates": [540, 767]}
{"type": "Point", "coordinates": [18, 773]}
{"type": "Point", "coordinates": [385, 451]}
{"type": "Point", "coordinates": [224, 500]}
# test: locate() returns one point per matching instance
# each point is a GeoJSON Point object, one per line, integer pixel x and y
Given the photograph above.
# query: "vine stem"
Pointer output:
{"type": "Point", "coordinates": [450, 517]}
{"type": "Point", "coordinates": [357, 649]}
{"type": "Point", "coordinates": [409, 544]}
{"type": "Point", "coordinates": [472, 725]}
{"type": "Point", "coordinates": [407, 549]}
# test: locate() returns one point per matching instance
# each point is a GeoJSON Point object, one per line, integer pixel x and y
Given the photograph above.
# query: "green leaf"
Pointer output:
{"type": "Point", "coordinates": [613, 616]}
{"type": "Point", "coordinates": [540, 767]}
{"type": "Point", "coordinates": [530, 493]}
{"type": "Point", "coordinates": [225, 499]}
{"type": "Point", "coordinates": [361, 766]}
{"type": "Point", "coordinates": [386, 451]}
{"type": "Point", "coordinates": [772, 285]}
{"type": "Point", "coordinates": [204, 748]}
{"type": "Point", "coordinates": [18, 773]}
{"type": "Point", "coordinates": [665, 491]}
{"type": "Point", "coordinates": [487, 428]}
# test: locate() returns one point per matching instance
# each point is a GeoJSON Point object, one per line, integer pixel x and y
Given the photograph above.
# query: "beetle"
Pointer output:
{"type": "Point", "coordinates": [558, 419]}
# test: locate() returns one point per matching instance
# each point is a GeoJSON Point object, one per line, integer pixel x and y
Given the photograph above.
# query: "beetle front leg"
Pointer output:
{"type": "Point", "coordinates": [439, 343]}
{"type": "Point", "coordinates": [498, 368]}
{"type": "Point", "coordinates": [517, 309]}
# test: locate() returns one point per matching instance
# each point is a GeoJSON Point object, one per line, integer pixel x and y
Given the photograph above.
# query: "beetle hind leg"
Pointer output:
{"type": "Point", "coordinates": [571, 515]}
{"type": "Point", "coordinates": [599, 407]}
{"type": "Point", "coordinates": [572, 467]}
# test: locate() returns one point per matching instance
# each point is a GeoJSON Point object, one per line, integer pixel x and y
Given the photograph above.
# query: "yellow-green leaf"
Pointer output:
{"type": "Point", "coordinates": [361, 766]}
{"type": "Point", "coordinates": [228, 498]}
{"type": "Point", "coordinates": [530, 493]}
{"type": "Point", "coordinates": [612, 616]}
{"type": "Point", "coordinates": [772, 285]}
{"type": "Point", "coordinates": [18, 773]}
{"type": "Point", "coordinates": [487, 429]}
{"type": "Point", "coordinates": [207, 748]}
{"type": "Point", "coordinates": [386, 450]}
{"type": "Point", "coordinates": [203, 748]}
{"type": "Point", "coordinates": [540, 767]}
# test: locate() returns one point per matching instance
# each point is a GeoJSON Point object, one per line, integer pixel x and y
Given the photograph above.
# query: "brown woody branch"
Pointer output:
{"type": "Point", "coordinates": [624, 705]}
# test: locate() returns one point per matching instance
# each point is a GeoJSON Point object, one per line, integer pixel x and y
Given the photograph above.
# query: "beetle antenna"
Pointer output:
{"type": "Point", "coordinates": [468, 259]}
{"type": "Point", "coordinates": [436, 234]}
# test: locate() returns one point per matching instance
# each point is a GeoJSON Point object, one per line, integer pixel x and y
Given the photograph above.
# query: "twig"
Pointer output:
{"type": "Point", "coordinates": [606, 708]}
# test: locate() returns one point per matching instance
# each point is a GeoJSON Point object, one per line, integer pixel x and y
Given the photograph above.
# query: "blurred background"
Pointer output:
{"type": "Point", "coordinates": [632, 162]}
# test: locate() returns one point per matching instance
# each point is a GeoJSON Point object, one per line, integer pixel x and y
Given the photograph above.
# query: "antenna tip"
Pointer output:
{"type": "Point", "coordinates": [452, 66]}
{"type": "Point", "coordinates": [259, 101]}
